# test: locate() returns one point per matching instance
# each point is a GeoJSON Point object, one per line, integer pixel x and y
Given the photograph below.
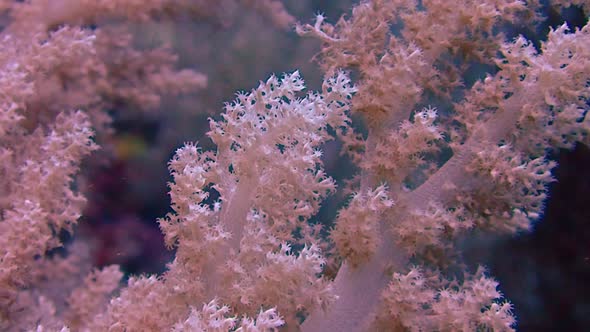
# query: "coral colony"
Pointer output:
{"type": "Point", "coordinates": [437, 158]}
